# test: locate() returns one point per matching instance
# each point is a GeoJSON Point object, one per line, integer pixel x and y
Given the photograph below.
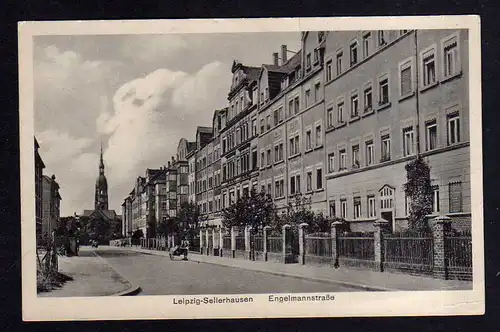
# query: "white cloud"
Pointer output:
{"type": "Point", "coordinates": [150, 48]}
{"type": "Point", "coordinates": [75, 169]}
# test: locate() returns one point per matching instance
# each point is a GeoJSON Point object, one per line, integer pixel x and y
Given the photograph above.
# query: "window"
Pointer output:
{"type": "Point", "coordinates": [319, 178]}
{"type": "Point", "coordinates": [381, 38]}
{"type": "Point", "coordinates": [254, 127]}
{"type": "Point", "coordinates": [408, 141]}
{"type": "Point", "coordinates": [308, 97]}
{"type": "Point", "coordinates": [263, 188]}
{"type": "Point", "coordinates": [332, 208]}
{"type": "Point", "coordinates": [453, 128]}
{"type": "Point", "coordinates": [269, 191]}
{"type": "Point", "coordinates": [370, 153]}
{"type": "Point", "coordinates": [276, 117]}
{"type": "Point", "coordinates": [267, 93]}
{"type": "Point", "coordinates": [268, 122]}
{"type": "Point", "coordinates": [317, 92]}
{"type": "Point", "coordinates": [280, 115]}
{"type": "Point", "coordinates": [269, 160]}
{"type": "Point", "coordinates": [308, 61]}
{"type": "Point", "coordinates": [297, 105]}
{"type": "Point", "coordinates": [329, 117]}
{"type": "Point", "coordinates": [451, 61]}
{"type": "Point", "coordinates": [406, 79]}
{"type": "Point", "coordinates": [290, 108]}
{"type": "Point", "coordinates": [294, 146]}
{"type": "Point", "coordinates": [164, 205]}
{"type": "Point", "coordinates": [308, 140]}
{"type": "Point", "coordinates": [331, 162]}
{"type": "Point", "coordinates": [383, 91]}
{"type": "Point", "coordinates": [262, 159]}
{"type": "Point", "coordinates": [343, 159]}
{"type": "Point", "coordinates": [329, 71]}
{"type": "Point", "coordinates": [368, 99]}
{"type": "Point", "coordinates": [339, 63]}
{"type": "Point", "coordinates": [357, 207]}
{"type": "Point", "coordinates": [431, 135]}
{"type": "Point", "coordinates": [455, 195]}
{"type": "Point", "coordinates": [340, 113]}
{"type": "Point", "coordinates": [343, 208]}
{"type": "Point", "coordinates": [319, 140]}
{"type": "Point", "coordinates": [386, 148]}
{"type": "Point", "coordinates": [354, 106]}
{"type": "Point", "coordinates": [354, 53]}
{"type": "Point", "coordinates": [366, 44]}
{"type": "Point", "coordinates": [435, 199]}
{"type": "Point", "coordinates": [294, 184]}
{"type": "Point", "coordinates": [262, 127]}
{"type": "Point", "coordinates": [278, 190]}
{"type": "Point", "coordinates": [429, 69]}
{"type": "Point", "coordinates": [309, 181]}
{"type": "Point", "coordinates": [316, 56]}
{"type": "Point", "coordinates": [355, 156]}
{"type": "Point", "coordinates": [371, 207]}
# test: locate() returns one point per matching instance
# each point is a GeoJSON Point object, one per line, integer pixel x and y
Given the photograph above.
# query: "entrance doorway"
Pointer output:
{"type": "Point", "coordinates": [387, 215]}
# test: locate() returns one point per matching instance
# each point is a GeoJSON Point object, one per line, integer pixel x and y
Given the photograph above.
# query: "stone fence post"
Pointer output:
{"type": "Point", "coordinates": [222, 231]}
{"type": "Point", "coordinates": [266, 231]}
{"type": "Point", "coordinates": [207, 238]}
{"type": "Point", "coordinates": [302, 242]}
{"type": "Point", "coordinates": [335, 230]}
{"type": "Point", "coordinates": [287, 248]}
{"type": "Point", "coordinates": [441, 229]}
{"type": "Point", "coordinates": [381, 227]}
{"type": "Point", "coordinates": [248, 245]}
{"type": "Point", "coordinates": [202, 243]}
{"type": "Point", "coordinates": [233, 241]}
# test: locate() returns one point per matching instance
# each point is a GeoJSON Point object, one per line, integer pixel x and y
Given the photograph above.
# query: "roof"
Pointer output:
{"type": "Point", "coordinates": [275, 69]}
{"type": "Point", "coordinates": [205, 130]}
{"type": "Point", "coordinates": [252, 73]}
{"type": "Point", "coordinates": [108, 214]}
{"type": "Point", "coordinates": [293, 62]}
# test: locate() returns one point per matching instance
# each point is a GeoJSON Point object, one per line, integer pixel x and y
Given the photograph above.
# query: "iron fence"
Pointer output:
{"type": "Point", "coordinates": [226, 242]}
{"type": "Point", "coordinates": [258, 242]}
{"type": "Point", "coordinates": [357, 245]}
{"type": "Point", "coordinates": [460, 250]}
{"type": "Point", "coordinates": [275, 244]}
{"type": "Point", "coordinates": [318, 244]}
{"type": "Point", "coordinates": [409, 248]}
{"type": "Point", "coordinates": [240, 243]}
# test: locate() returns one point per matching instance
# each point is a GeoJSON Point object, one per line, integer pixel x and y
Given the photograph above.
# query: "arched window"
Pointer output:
{"type": "Point", "coordinates": [386, 198]}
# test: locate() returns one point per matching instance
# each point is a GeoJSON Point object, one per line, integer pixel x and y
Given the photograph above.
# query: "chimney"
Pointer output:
{"type": "Point", "coordinates": [283, 54]}
{"type": "Point", "coordinates": [169, 164]}
{"type": "Point", "coordinates": [275, 58]}
{"type": "Point", "coordinates": [173, 159]}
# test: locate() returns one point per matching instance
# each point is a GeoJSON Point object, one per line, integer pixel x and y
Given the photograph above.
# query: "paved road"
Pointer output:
{"type": "Point", "coordinates": [158, 275]}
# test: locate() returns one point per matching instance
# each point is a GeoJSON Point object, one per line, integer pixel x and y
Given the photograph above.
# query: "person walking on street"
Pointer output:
{"type": "Point", "coordinates": [185, 247]}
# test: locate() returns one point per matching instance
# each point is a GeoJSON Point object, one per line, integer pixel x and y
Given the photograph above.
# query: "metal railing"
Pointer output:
{"type": "Point", "coordinates": [357, 245]}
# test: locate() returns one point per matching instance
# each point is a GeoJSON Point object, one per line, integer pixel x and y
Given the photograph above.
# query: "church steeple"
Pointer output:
{"type": "Point", "coordinates": [101, 187]}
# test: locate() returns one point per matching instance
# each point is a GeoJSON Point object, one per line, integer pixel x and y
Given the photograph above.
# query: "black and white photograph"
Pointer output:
{"type": "Point", "coordinates": [251, 168]}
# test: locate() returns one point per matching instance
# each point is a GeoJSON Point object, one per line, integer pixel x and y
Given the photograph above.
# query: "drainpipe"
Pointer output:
{"type": "Point", "coordinates": [417, 69]}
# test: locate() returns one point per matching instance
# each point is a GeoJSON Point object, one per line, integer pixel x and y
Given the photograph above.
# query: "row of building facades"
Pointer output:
{"type": "Point", "coordinates": [337, 120]}
{"type": "Point", "coordinates": [47, 200]}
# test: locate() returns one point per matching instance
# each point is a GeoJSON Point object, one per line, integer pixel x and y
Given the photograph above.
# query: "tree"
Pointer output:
{"type": "Point", "coordinates": [418, 189]}
{"type": "Point", "coordinates": [255, 209]}
{"type": "Point", "coordinates": [297, 211]}
{"type": "Point", "coordinates": [190, 218]}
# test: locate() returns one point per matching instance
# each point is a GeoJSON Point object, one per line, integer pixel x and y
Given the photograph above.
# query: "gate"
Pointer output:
{"type": "Point", "coordinates": [292, 245]}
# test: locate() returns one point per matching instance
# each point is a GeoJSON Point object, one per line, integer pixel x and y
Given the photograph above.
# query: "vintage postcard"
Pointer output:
{"type": "Point", "coordinates": [251, 168]}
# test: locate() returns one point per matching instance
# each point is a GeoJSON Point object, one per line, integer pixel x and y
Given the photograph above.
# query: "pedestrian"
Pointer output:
{"type": "Point", "coordinates": [185, 247]}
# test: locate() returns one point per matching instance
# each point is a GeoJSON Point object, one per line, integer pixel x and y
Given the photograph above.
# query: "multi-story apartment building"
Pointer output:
{"type": "Point", "coordinates": [389, 96]}
{"type": "Point", "coordinates": [51, 203]}
{"type": "Point", "coordinates": [143, 208]}
{"type": "Point", "coordinates": [169, 205]}
{"type": "Point", "coordinates": [39, 166]}
{"type": "Point", "coordinates": [338, 121]}
{"type": "Point", "coordinates": [291, 127]}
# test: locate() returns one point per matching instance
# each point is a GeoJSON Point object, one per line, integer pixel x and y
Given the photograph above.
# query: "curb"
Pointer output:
{"type": "Point", "coordinates": [134, 289]}
{"type": "Point", "coordinates": [282, 274]}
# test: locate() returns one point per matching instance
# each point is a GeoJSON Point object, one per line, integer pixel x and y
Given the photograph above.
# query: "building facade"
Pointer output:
{"type": "Point", "coordinates": [337, 121]}
{"type": "Point", "coordinates": [391, 95]}
{"type": "Point", "coordinates": [51, 203]}
{"type": "Point", "coordinates": [39, 166]}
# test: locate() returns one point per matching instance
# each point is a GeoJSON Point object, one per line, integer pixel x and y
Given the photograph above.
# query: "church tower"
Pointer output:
{"type": "Point", "coordinates": [101, 188]}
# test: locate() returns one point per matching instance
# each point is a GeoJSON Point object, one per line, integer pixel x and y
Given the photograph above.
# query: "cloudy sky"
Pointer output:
{"type": "Point", "coordinates": [137, 94]}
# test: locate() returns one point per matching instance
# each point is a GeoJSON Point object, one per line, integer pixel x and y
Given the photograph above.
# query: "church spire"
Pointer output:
{"type": "Point", "coordinates": [101, 163]}
{"type": "Point", "coordinates": [101, 187]}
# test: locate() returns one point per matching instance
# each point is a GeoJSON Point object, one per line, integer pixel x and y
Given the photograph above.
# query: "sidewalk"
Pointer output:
{"type": "Point", "coordinates": [353, 277]}
{"type": "Point", "coordinates": [92, 276]}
